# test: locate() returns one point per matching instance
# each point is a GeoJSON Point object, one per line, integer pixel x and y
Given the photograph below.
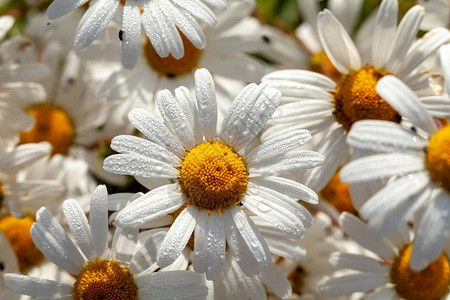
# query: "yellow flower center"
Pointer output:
{"type": "Point", "coordinates": [170, 66]}
{"type": "Point", "coordinates": [438, 157]}
{"type": "Point", "coordinates": [104, 280]}
{"type": "Point", "coordinates": [357, 99]}
{"type": "Point", "coordinates": [52, 125]}
{"type": "Point", "coordinates": [1, 194]}
{"type": "Point", "coordinates": [430, 284]}
{"type": "Point", "coordinates": [320, 63]}
{"type": "Point", "coordinates": [213, 176]}
{"type": "Point", "coordinates": [337, 194]}
{"type": "Point", "coordinates": [17, 232]}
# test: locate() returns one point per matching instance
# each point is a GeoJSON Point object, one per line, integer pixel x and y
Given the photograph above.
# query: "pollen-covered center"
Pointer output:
{"type": "Point", "coordinates": [52, 125]}
{"type": "Point", "coordinates": [213, 176]}
{"type": "Point", "coordinates": [337, 193]}
{"type": "Point", "coordinates": [438, 157]}
{"type": "Point", "coordinates": [1, 195]}
{"type": "Point", "coordinates": [17, 232]}
{"type": "Point", "coordinates": [357, 99]}
{"type": "Point", "coordinates": [104, 280]}
{"type": "Point", "coordinates": [430, 284]}
{"type": "Point", "coordinates": [170, 66]}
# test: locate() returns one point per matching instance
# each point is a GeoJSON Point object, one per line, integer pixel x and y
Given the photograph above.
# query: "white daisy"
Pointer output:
{"type": "Point", "coordinates": [16, 90]}
{"type": "Point", "coordinates": [418, 160]}
{"type": "Point", "coordinates": [330, 108]}
{"type": "Point", "coordinates": [386, 270]}
{"type": "Point", "coordinates": [212, 174]}
{"type": "Point", "coordinates": [126, 271]}
{"type": "Point", "coordinates": [444, 52]}
{"type": "Point", "coordinates": [225, 55]}
{"type": "Point", "coordinates": [163, 21]}
{"type": "Point", "coordinates": [8, 264]}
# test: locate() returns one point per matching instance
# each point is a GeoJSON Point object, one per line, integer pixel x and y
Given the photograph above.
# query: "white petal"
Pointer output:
{"type": "Point", "coordinates": [359, 232]}
{"type": "Point", "coordinates": [200, 242]}
{"type": "Point", "coordinates": [403, 100]}
{"type": "Point", "coordinates": [384, 136]}
{"type": "Point", "coordinates": [205, 93]}
{"type": "Point", "coordinates": [423, 48]}
{"type": "Point", "coordinates": [292, 160]}
{"type": "Point", "coordinates": [347, 284]}
{"type": "Point", "coordinates": [384, 33]}
{"type": "Point", "coordinates": [405, 36]}
{"type": "Point", "coordinates": [280, 213]}
{"type": "Point", "coordinates": [152, 205]}
{"type": "Point", "coordinates": [198, 10]}
{"type": "Point", "coordinates": [381, 166]}
{"type": "Point", "coordinates": [239, 249]}
{"type": "Point", "coordinates": [444, 52]}
{"type": "Point", "coordinates": [59, 8]}
{"type": "Point", "coordinates": [437, 106]}
{"type": "Point", "coordinates": [155, 131]}
{"type": "Point", "coordinates": [138, 165]}
{"type": "Point", "coordinates": [175, 118]}
{"type": "Point", "coordinates": [433, 233]}
{"type": "Point", "coordinates": [358, 262]}
{"type": "Point", "coordinates": [250, 233]}
{"type": "Point", "coordinates": [133, 144]}
{"type": "Point", "coordinates": [37, 287]}
{"type": "Point", "coordinates": [277, 146]}
{"type": "Point", "coordinates": [177, 236]}
{"type": "Point", "coordinates": [78, 224]}
{"type": "Point", "coordinates": [23, 155]}
{"type": "Point", "coordinates": [300, 77]}
{"type": "Point", "coordinates": [248, 114]}
{"type": "Point", "coordinates": [281, 246]}
{"type": "Point", "coordinates": [290, 188]}
{"type": "Point", "coordinates": [332, 33]}
{"type": "Point", "coordinates": [54, 243]}
{"type": "Point", "coordinates": [6, 22]}
{"type": "Point", "coordinates": [95, 19]}
{"type": "Point", "coordinates": [124, 244]}
{"type": "Point", "coordinates": [98, 219]}
{"type": "Point", "coordinates": [131, 37]}
{"type": "Point", "coordinates": [276, 280]}
{"type": "Point", "coordinates": [347, 12]}
{"type": "Point", "coordinates": [215, 254]}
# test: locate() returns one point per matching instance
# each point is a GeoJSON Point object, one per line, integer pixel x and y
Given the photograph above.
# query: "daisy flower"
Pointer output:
{"type": "Point", "coordinates": [225, 55]}
{"type": "Point", "coordinates": [331, 109]}
{"type": "Point", "coordinates": [386, 270]}
{"type": "Point", "coordinates": [417, 159]}
{"type": "Point", "coordinates": [8, 264]}
{"type": "Point", "coordinates": [212, 175]}
{"type": "Point", "coordinates": [99, 272]}
{"type": "Point", "coordinates": [164, 22]}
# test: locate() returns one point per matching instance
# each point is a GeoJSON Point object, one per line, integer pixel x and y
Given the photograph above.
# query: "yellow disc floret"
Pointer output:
{"type": "Point", "coordinates": [17, 232]}
{"type": "Point", "coordinates": [52, 125]}
{"type": "Point", "coordinates": [1, 194]}
{"type": "Point", "coordinates": [337, 194]}
{"type": "Point", "coordinates": [170, 66]}
{"type": "Point", "coordinates": [104, 280]}
{"type": "Point", "coordinates": [438, 157]}
{"type": "Point", "coordinates": [213, 176]}
{"type": "Point", "coordinates": [430, 284]}
{"type": "Point", "coordinates": [357, 99]}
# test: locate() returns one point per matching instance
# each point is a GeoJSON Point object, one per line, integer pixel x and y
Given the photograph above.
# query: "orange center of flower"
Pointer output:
{"type": "Point", "coordinates": [52, 125]}
{"type": "Point", "coordinates": [337, 194]}
{"type": "Point", "coordinates": [213, 176]}
{"type": "Point", "coordinates": [170, 66]}
{"type": "Point", "coordinates": [322, 64]}
{"type": "Point", "coordinates": [1, 194]}
{"type": "Point", "coordinates": [357, 99]}
{"type": "Point", "coordinates": [17, 232]}
{"type": "Point", "coordinates": [430, 284]}
{"type": "Point", "coordinates": [438, 157]}
{"type": "Point", "coordinates": [104, 280]}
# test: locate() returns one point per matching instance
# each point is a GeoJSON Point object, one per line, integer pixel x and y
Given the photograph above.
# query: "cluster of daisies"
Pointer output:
{"type": "Point", "coordinates": [214, 156]}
